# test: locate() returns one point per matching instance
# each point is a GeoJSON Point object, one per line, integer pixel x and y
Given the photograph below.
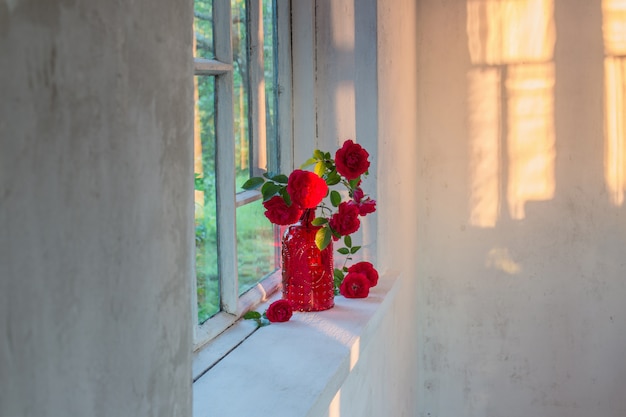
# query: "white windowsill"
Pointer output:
{"type": "Point", "coordinates": [291, 369]}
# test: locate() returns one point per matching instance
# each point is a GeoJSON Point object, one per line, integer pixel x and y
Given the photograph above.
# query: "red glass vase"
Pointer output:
{"type": "Point", "coordinates": [307, 272]}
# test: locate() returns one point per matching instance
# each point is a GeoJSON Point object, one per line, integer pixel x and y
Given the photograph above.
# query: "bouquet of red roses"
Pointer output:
{"type": "Point", "coordinates": [287, 198]}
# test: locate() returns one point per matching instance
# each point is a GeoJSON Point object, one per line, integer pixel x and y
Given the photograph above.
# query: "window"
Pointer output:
{"type": "Point", "coordinates": [242, 129]}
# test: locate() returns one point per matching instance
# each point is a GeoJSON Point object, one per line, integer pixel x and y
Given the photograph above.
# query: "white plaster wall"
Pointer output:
{"type": "Point", "coordinates": [520, 313]}
{"type": "Point", "coordinates": [95, 253]}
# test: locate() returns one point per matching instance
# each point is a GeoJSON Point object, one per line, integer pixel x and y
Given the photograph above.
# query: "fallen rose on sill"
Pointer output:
{"type": "Point", "coordinates": [279, 311]}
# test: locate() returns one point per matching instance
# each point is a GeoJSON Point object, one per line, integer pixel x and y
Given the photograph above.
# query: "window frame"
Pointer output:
{"type": "Point", "coordinates": [233, 306]}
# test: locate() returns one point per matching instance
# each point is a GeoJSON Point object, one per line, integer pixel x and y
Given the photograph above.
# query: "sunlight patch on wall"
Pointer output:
{"type": "Point", "coordinates": [345, 119]}
{"type": "Point", "coordinates": [510, 107]}
{"type": "Point", "coordinates": [342, 16]}
{"type": "Point", "coordinates": [484, 145]}
{"type": "Point", "coordinates": [614, 121]}
{"type": "Point", "coordinates": [510, 31]}
{"type": "Point", "coordinates": [614, 26]}
{"type": "Point", "coordinates": [334, 409]}
{"type": "Point", "coordinates": [355, 353]}
{"type": "Point", "coordinates": [614, 34]}
{"type": "Point", "coordinates": [500, 258]}
{"type": "Point", "coordinates": [530, 135]}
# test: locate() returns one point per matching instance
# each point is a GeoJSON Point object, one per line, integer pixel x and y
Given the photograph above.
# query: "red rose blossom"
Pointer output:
{"type": "Point", "coordinates": [358, 194]}
{"type": "Point", "coordinates": [351, 160]}
{"type": "Point", "coordinates": [279, 311]}
{"type": "Point", "coordinates": [346, 220]}
{"type": "Point", "coordinates": [365, 204]}
{"type": "Point", "coordinates": [367, 269]}
{"type": "Point", "coordinates": [278, 212]}
{"type": "Point", "coordinates": [355, 285]}
{"type": "Point", "coordinates": [306, 189]}
{"type": "Point", "coordinates": [366, 207]}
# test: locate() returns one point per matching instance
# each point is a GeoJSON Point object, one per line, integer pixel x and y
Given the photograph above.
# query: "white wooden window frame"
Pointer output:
{"type": "Point", "coordinates": [232, 305]}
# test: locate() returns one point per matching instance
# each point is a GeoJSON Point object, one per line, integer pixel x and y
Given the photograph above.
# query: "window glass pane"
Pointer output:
{"type": "Point", "coordinates": [257, 239]}
{"type": "Point", "coordinates": [203, 29]}
{"type": "Point", "coordinates": [257, 247]}
{"type": "Point", "coordinates": [205, 207]}
{"type": "Point", "coordinates": [240, 86]}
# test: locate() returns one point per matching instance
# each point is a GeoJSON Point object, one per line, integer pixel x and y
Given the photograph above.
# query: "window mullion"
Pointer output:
{"type": "Point", "coordinates": [256, 79]}
{"type": "Point", "coordinates": [224, 160]}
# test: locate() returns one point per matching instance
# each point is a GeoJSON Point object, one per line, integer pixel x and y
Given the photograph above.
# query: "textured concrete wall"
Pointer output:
{"type": "Point", "coordinates": [521, 240]}
{"type": "Point", "coordinates": [95, 149]}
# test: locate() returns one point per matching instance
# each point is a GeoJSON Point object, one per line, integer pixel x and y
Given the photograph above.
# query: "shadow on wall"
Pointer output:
{"type": "Point", "coordinates": [511, 106]}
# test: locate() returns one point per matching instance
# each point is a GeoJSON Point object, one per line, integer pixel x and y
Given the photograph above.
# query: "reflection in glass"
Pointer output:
{"type": "Point", "coordinates": [256, 245]}
{"type": "Point", "coordinates": [255, 88]}
{"type": "Point", "coordinates": [240, 85]}
{"type": "Point", "coordinates": [203, 29]}
{"type": "Point", "coordinates": [205, 208]}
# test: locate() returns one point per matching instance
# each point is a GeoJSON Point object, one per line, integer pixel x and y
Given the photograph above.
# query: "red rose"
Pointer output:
{"type": "Point", "coordinates": [278, 212]}
{"type": "Point", "coordinates": [355, 285]}
{"type": "Point", "coordinates": [279, 311]}
{"type": "Point", "coordinates": [358, 194]}
{"type": "Point", "coordinates": [351, 160]}
{"type": "Point", "coordinates": [366, 269]}
{"type": "Point", "coordinates": [346, 220]}
{"type": "Point", "coordinates": [365, 204]}
{"type": "Point", "coordinates": [366, 207]}
{"type": "Point", "coordinates": [306, 189]}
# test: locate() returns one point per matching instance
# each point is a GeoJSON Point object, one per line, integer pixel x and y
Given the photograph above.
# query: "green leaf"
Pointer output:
{"type": "Point", "coordinates": [343, 251]}
{"type": "Point", "coordinates": [253, 183]}
{"type": "Point", "coordinates": [354, 249]}
{"type": "Point", "coordinates": [348, 241]}
{"type": "Point", "coordinates": [317, 154]}
{"type": "Point", "coordinates": [308, 162]}
{"type": "Point", "coordinates": [269, 190]}
{"type": "Point", "coordinates": [319, 169]}
{"type": "Point", "coordinates": [285, 195]}
{"type": "Point", "coordinates": [335, 198]}
{"type": "Point", "coordinates": [252, 315]}
{"type": "Point", "coordinates": [280, 178]}
{"type": "Point", "coordinates": [327, 155]}
{"type": "Point", "coordinates": [322, 238]}
{"type": "Point", "coordinates": [337, 280]}
{"type": "Point", "coordinates": [355, 182]}
{"type": "Point", "coordinates": [318, 221]}
{"type": "Point", "coordinates": [333, 178]}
